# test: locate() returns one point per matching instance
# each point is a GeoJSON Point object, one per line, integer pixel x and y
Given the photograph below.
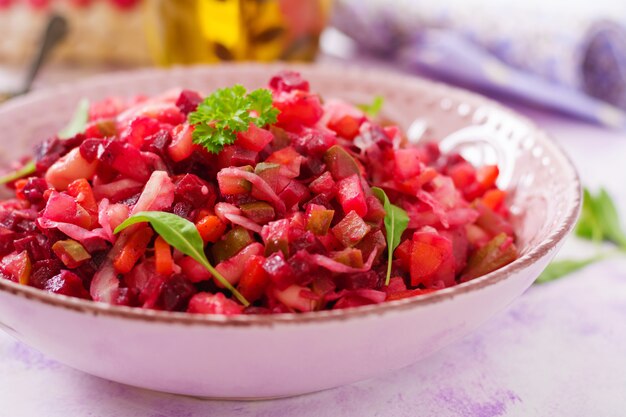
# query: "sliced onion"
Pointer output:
{"type": "Point", "coordinates": [157, 195]}
{"type": "Point", "coordinates": [263, 191]}
{"type": "Point", "coordinates": [334, 266]}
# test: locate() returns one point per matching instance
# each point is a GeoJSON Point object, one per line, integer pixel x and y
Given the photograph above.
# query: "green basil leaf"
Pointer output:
{"type": "Point", "coordinates": [559, 269]}
{"type": "Point", "coordinates": [78, 122]}
{"type": "Point", "coordinates": [588, 226]}
{"type": "Point", "coordinates": [183, 235]}
{"type": "Point", "coordinates": [27, 169]}
{"type": "Point", "coordinates": [374, 107]}
{"type": "Point", "coordinates": [396, 221]}
{"type": "Point", "coordinates": [610, 219]}
{"type": "Point", "coordinates": [599, 220]}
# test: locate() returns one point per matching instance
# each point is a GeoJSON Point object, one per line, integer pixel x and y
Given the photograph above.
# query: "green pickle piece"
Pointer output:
{"type": "Point", "coordinates": [231, 243]}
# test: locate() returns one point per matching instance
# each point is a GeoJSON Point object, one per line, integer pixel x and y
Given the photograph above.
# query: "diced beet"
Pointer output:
{"type": "Point", "coordinates": [255, 138]}
{"type": "Point", "coordinates": [183, 209]}
{"type": "Point", "coordinates": [242, 156]}
{"type": "Point", "coordinates": [367, 279]}
{"type": "Point", "coordinates": [351, 229]}
{"type": "Point", "coordinates": [193, 270]}
{"type": "Point", "coordinates": [298, 108]}
{"type": "Point", "coordinates": [34, 190]}
{"type": "Point", "coordinates": [407, 162]}
{"type": "Point", "coordinates": [286, 81]}
{"type": "Point", "coordinates": [279, 271]}
{"type": "Point", "coordinates": [139, 129]}
{"type": "Point", "coordinates": [157, 143]}
{"type": "Point", "coordinates": [63, 208]}
{"type": "Point", "coordinates": [294, 194]}
{"type": "Point", "coordinates": [311, 167]}
{"type": "Point", "coordinates": [460, 246]}
{"type": "Point", "coordinates": [323, 184]}
{"type": "Point", "coordinates": [195, 191]}
{"type": "Point", "coordinates": [67, 283]}
{"type": "Point", "coordinates": [126, 159]}
{"type": "Point", "coordinates": [89, 149]}
{"type": "Point", "coordinates": [375, 210]}
{"type": "Point", "coordinates": [36, 245]}
{"type": "Point", "coordinates": [351, 196]}
{"type": "Point", "coordinates": [6, 241]}
{"type": "Point", "coordinates": [314, 142]}
{"type": "Point", "coordinates": [205, 303]}
{"type": "Point", "coordinates": [306, 241]}
{"type": "Point", "coordinates": [340, 163]}
{"type": "Point", "coordinates": [188, 101]}
{"type": "Point", "coordinates": [176, 293]}
{"type": "Point", "coordinates": [43, 270]}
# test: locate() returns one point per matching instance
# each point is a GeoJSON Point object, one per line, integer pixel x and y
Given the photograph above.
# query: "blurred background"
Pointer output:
{"type": "Point", "coordinates": [567, 57]}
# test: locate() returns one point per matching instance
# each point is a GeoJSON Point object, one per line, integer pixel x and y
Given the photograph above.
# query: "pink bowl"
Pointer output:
{"type": "Point", "coordinates": [284, 355]}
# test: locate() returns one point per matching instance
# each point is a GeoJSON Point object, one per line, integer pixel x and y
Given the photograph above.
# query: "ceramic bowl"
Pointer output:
{"type": "Point", "coordinates": [282, 355]}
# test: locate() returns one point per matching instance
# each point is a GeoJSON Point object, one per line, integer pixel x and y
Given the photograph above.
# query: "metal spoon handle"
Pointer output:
{"type": "Point", "coordinates": [54, 33]}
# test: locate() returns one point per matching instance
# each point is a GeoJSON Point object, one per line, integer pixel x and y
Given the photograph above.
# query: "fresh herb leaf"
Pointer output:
{"type": "Point", "coordinates": [183, 235]}
{"type": "Point", "coordinates": [78, 122]}
{"type": "Point", "coordinates": [599, 220]}
{"type": "Point", "coordinates": [262, 104]}
{"type": "Point", "coordinates": [27, 169]}
{"type": "Point", "coordinates": [559, 269]}
{"type": "Point", "coordinates": [396, 221]}
{"type": "Point", "coordinates": [228, 111]}
{"type": "Point", "coordinates": [374, 107]}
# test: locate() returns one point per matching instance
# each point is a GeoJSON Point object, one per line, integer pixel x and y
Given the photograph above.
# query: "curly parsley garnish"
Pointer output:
{"type": "Point", "coordinates": [228, 111]}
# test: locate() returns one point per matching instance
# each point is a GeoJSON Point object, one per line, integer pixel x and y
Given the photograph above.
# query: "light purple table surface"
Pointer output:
{"type": "Point", "coordinates": [559, 350]}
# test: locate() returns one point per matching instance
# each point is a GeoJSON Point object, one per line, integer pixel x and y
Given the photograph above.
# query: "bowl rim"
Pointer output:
{"type": "Point", "coordinates": [536, 252]}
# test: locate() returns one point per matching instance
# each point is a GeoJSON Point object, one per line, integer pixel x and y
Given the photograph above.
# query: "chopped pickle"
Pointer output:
{"type": "Point", "coordinates": [498, 252]}
{"type": "Point", "coordinates": [231, 243]}
{"type": "Point", "coordinates": [70, 252]}
{"type": "Point", "coordinates": [340, 163]}
{"type": "Point", "coordinates": [258, 211]}
{"type": "Point", "coordinates": [319, 219]}
{"type": "Point", "coordinates": [350, 256]}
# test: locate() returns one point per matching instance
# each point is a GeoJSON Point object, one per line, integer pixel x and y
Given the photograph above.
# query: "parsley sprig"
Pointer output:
{"type": "Point", "coordinates": [228, 111]}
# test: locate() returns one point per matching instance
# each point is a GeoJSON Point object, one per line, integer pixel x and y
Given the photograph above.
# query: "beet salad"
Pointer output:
{"type": "Point", "coordinates": [247, 202]}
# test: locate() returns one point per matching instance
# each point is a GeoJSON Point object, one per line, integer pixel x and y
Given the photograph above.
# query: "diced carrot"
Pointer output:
{"type": "Point", "coordinates": [254, 279]}
{"type": "Point", "coordinates": [82, 192]}
{"type": "Point", "coordinates": [19, 188]}
{"type": "Point", "coordinates": [134, 248]}
{"type": "Point", "coordinates": [163, 256]}
{"type": "Point", "coordinates": [494, 198]}
{"type": "Point", "coordinates": [487, 176]}
{"type": "Point", "coordinates": [211, 228]}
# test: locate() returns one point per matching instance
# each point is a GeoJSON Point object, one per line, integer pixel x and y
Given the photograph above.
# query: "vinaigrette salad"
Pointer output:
{"type": "Point", "coordinates": [247, 202]}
